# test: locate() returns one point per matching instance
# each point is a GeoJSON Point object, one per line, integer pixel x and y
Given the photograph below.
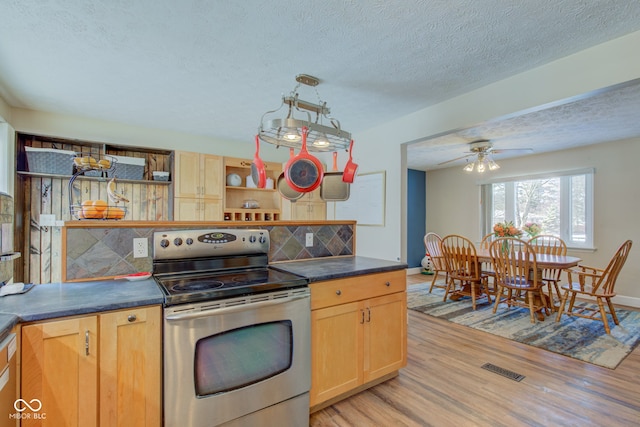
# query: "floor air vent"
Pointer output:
{"type": "Point", "coordinates": [504, 372]}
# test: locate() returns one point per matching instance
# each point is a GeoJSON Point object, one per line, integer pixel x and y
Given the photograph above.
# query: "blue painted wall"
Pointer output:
{"type": "Point", "coordinates": [416, 213]}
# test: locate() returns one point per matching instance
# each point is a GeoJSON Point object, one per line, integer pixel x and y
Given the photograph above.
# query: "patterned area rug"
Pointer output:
{"type": "Point", "coordinates": [578, 338]}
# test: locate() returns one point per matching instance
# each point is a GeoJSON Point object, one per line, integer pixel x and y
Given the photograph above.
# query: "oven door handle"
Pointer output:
{"type": "Point", "coordinates": [235, 308]}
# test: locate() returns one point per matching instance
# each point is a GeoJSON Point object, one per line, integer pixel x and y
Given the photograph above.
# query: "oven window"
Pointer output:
{"type": "Point", "coordinates": [241, 357]}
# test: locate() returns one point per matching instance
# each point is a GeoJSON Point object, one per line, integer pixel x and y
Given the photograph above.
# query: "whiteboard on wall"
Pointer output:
{"type": "Point", "coordinates": [366, 203]}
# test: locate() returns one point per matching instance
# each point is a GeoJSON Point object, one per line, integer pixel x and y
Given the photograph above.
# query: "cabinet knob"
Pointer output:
{"type": "Point", "coordinates": [388, 284]}
{"type": "Point", "coordinates": [132, 318]}
{"type": "Point", "coordinates": [338, 292]}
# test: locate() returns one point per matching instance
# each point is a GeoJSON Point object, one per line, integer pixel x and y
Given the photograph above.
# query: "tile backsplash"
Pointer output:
{"type": "Point", "coordinates": [102, 252]}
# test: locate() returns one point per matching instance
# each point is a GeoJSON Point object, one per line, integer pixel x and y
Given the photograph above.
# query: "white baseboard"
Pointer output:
{"type": "Point", "coordinates": [628, 301]}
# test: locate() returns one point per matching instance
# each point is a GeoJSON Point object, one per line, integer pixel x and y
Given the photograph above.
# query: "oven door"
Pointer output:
{"type": "Point", "coordinates": [230, 358]}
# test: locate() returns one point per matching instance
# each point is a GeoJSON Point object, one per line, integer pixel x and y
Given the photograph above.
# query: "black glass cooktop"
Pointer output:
{"type": "Point", "coordinates": [205, 286]}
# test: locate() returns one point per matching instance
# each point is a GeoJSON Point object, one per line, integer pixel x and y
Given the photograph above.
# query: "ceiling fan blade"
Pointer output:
{"type": "Point", "coordinates": [457, 158]}
{"type": "Point", "coordinates": [511, 150]}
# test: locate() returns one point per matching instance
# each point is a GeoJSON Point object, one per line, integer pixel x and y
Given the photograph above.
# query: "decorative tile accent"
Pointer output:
{"type": "Point", "coordinates": [102, 252]}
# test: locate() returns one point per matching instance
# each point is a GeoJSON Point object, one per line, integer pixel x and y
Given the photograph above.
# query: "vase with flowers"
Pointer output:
{"type": "Point", "coordinates": [506, 229]}
{"type": "Point", "coordinates": [532, 229]}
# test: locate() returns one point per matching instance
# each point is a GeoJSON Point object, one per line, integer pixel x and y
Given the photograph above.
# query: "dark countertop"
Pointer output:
{"type": "Point", "coordinates": [337, 268]}
{"type": "Point", "coordinates": [53, 300]}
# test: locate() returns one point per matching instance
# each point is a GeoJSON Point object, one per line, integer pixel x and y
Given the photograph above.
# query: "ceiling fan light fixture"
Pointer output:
{"type": "Point", "coordinates": [300, 113]}
{"type": "Point", "coordinates": [493, 165]}
{"type": "Point", "coordinates": [481, 151]}
{"type": "Point", "coordinates": [469, 167]}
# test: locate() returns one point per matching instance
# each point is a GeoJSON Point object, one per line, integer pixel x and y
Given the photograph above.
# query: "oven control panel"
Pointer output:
{"type": "Point", "coordinates": [180, 244]}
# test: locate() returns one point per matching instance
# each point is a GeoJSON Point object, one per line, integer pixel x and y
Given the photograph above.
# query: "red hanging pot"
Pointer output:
{"type": "Point", "coordinates": [258, 171]}
{"type": "Point", "coordinates": [303, 172]}
{"type": "Point", "coordinates": [350, 168]}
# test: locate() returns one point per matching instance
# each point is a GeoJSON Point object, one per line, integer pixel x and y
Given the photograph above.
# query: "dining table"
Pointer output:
{"type": "Point", "coordinates": [543, 261]}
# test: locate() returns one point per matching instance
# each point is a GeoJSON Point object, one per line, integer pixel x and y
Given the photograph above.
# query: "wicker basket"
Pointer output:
{"type": "Point", "coordinates": [49, 160]}
{"type": "Point", "coordinates": [128, 167]}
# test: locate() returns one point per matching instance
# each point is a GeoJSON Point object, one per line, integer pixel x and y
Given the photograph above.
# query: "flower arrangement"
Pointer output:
{"type": "Point", "coordinates": [532, 229]}
{"type": "Point", "coordinates": [506, 229]}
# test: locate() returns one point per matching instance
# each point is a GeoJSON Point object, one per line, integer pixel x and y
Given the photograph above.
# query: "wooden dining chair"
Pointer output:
{"type": "Point", "coordinates": [595, 283]}
{"type": "Point", "coordinates": [465, 274]}
{"type": "Point", "coordinates": [433, 246]}
{"type": "Point", "coordinates": [550, 245]}
{"type": "Point", "coordinates": [487, 267]}
{"type": "Point", "coordinates": [517, 274]}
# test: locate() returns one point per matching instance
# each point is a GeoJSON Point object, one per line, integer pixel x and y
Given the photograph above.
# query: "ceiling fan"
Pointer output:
{"type": "Point", "coordinates": [483, 149]}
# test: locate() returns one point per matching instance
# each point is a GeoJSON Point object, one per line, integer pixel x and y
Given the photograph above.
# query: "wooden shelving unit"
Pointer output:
{"type": "Point", "coordinates": [268, 199]}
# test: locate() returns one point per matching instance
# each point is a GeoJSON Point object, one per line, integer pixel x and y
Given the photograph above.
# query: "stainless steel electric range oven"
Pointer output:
{"type": "Point", "coordinates": [236, 331]}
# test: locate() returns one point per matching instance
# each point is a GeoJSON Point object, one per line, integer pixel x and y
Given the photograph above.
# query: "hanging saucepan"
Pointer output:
{"type": "Point", "coordinates": [303, 172]}
{"type": "Point", "coordinates": [333, 188]}
{"type": "Point", "coordinates": [351, 168]}
{"type": "Point", "coordinates": [258, 172]}
{"type": "Point", "coordinates": [284, 189]}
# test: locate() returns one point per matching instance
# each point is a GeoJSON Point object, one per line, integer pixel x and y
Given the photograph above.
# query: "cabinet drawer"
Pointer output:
{"type": "Point", "coordinates": [340, 291]}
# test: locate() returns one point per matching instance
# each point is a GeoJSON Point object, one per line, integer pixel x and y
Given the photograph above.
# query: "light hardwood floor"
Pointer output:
{"type": "Point", "coordinates": [443, 385]}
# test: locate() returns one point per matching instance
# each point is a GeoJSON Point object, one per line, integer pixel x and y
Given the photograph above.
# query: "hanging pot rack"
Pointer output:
{"type": "Point", "coordinates": [286, 131]}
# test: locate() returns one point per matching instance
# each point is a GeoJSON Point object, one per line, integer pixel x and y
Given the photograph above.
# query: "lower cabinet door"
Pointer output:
{"type": "Point", "coordinates": [385, 337]}
{"type": "Point", "coordinates": [355, 343]}
{"type": "Point", "coordinates": [76, 386]}
{"type": "Point", "coordinates": [336, 359]}
{"type": "Point", "coordinates": [130, 367]}
{"type": "Point", "coordinates": [59, 373]}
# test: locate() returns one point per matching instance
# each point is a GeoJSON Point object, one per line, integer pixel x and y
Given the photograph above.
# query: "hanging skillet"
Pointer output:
{"type": "Point", "coordinates": [284, 189]}
{"type": "Point", "coordinates": [350, 169]}
{"type": "Point", "coordinates": [333, 188]}
{"type": "Point", "coordinates": [304, 172]}
{"type": "Point", "coordinates": [258, 172]}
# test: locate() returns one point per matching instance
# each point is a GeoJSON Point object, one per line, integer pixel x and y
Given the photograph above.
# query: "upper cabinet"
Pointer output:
{"type": "Point", "coordinates": [198, 187]}
{"type": "Point", "coordinates": [243, 201]}
{"type": "Point", "coordinates": [198, 175]}
{"type": "Point", "coordinates": [309, 207]}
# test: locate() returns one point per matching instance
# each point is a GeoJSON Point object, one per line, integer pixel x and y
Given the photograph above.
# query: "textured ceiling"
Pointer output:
{"type": "Point", "coordinates": [214, 67]}
{"type": "Point", "coordinates": [607, 115]}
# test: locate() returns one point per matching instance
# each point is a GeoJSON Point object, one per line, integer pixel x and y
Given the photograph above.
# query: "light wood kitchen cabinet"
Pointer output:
{"type": "Point", "coordinates": [187, 209]}
{"type": "Point", "coordinates": [94, 370]}
{"type": "Point", "coordinates": [198, 187]}
{"type": "Point", "coordinates": [130, 367]}
{"type": "Point", "coordinates": [60, 369]}
{"type": "Point", "coordinates": [358, 333]}
{"type": "Point", "coordinates": [268, 199]}
{"type": "Point", "coordinates": [309, 207]}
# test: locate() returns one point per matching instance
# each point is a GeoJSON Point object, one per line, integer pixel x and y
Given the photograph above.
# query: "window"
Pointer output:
{"type": "Point", "coordinates": [560, 203]}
